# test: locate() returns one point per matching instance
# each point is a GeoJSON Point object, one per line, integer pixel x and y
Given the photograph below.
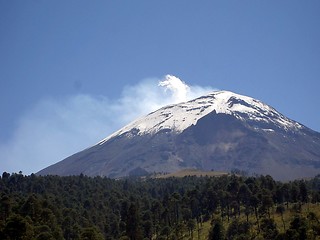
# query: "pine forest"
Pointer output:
{"type": "Point", "coordinates": [224, 207]}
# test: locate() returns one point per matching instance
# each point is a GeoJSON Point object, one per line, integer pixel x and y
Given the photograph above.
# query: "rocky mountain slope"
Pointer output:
{"type": "Point", "coordinates": [221, 131]}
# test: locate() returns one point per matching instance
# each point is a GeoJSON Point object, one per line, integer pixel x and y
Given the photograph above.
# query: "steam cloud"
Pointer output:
{"type": "Point", "coordinates": [178, 88]}
{"type": "Point", "coordinates": [56, 128]}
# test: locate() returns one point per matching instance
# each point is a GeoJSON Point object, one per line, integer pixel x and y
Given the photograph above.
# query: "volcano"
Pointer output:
{"type": "Point", "coordinates": [221, 131]}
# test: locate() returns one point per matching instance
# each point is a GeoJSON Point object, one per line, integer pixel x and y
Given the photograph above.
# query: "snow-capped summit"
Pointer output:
{"type": "Point", "coordinates": [221, 131]}
{"type": "Point", "coordinates": [178, 117]}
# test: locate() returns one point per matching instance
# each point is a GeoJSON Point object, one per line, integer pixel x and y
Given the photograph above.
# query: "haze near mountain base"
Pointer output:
{"type": "Point", "coordinates": [221, 131]}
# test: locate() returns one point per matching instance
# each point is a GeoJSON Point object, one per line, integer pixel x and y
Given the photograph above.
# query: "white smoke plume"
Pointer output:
{"type": "Point", "coordinates": [179, 90]}
{"type": "Point", "coordinates": [56, 128]}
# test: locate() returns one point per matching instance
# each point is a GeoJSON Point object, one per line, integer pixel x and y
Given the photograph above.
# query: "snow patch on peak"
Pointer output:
{"type": "Point", "coordinates": [247, 108]}
{"type": "Point", "coordinates": [177, 117]}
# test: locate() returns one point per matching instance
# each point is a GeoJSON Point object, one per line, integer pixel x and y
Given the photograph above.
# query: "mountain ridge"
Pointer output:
{"type": "Point", "coordinates": [220, 105]}
{"type": "Point", "coordinates": [221, 131]}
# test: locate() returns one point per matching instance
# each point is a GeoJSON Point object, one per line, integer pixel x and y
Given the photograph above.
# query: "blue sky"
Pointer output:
{"type": "Point", "coordinates": [72, 72]}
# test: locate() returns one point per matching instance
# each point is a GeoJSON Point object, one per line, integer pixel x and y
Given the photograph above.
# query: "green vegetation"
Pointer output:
{"type": "Point", "coordinates": [190, 207]}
